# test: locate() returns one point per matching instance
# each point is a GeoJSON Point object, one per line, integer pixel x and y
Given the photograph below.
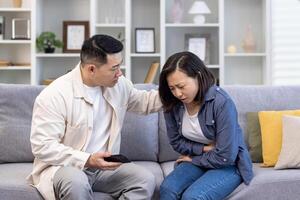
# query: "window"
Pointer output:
{"type": "Point", "coordinates": [285, 42]}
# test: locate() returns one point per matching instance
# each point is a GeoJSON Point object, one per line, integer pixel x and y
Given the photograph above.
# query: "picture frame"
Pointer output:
{"type": "Point", "coordinates": [199, 44]}
{"type": "Point", "coordinates": [74, 34]}
{"type": "Point", "coordinates": [144, 40]}
{"type": "Point", "coordinates": [20, 29]}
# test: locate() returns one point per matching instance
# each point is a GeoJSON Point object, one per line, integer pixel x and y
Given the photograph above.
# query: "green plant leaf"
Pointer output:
{"type": "Point", "coordinates": [48, 39]}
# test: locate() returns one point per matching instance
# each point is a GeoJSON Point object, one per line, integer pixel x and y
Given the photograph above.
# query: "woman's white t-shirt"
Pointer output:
{"type": "Point", "coordinates": [191, 128]}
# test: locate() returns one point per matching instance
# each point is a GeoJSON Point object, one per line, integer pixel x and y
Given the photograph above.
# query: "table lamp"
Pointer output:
{"type": "Point", "coordinates": [199, 8]}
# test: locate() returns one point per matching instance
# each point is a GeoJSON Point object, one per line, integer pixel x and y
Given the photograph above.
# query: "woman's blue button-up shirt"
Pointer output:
{"type": "Point", "coordinates": [219, 122]}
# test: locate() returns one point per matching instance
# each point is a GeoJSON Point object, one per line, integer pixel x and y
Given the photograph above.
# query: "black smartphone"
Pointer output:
{"type": "Point", "coordinates": [117, 158]}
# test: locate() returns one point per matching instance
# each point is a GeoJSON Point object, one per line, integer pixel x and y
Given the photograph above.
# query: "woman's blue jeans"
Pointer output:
{"type": "Point", "coordinates": [190, 182]}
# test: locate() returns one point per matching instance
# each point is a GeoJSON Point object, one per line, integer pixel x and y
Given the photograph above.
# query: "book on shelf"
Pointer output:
{"type": "Point", "coordinates": [2, 23]}
{"type": "Point", "coordinates": [6, 63]}
{"type": "Point", "coordinates": [48, 81]}
{"type": "Point", "coordinates": [151, 72]}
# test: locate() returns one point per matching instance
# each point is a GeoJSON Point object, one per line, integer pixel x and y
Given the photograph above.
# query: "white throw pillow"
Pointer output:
{"type": "Point", "coordinates": [289, 156]}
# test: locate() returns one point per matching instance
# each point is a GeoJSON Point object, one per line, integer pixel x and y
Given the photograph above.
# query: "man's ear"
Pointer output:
{"type": "Point", "coordinates": [91, 68]}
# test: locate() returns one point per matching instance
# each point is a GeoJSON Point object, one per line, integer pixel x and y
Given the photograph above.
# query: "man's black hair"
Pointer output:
{"type": "Point", "coordinates": [95, 49]}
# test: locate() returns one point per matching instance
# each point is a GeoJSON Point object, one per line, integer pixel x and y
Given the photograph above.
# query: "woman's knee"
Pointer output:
{"type": "Point", "coordinates": [168, 190]}
{"type": "Point", "coordinates": [191, 196]}
{"type": "Point", "coordinates": [215, 185]}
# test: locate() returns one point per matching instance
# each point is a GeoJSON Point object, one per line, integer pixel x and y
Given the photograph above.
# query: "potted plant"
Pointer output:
{"type": "Point", "coordinates": [46, 42]}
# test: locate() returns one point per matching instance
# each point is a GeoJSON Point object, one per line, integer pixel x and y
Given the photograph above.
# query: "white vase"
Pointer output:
{"type": "Point", "coordinates": [248, 43]}
{"type": "Point", "coordinates": [177, 11]}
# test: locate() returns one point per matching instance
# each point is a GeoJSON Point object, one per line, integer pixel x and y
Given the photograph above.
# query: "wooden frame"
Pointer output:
{"type": "Point", "coordinates": [74, 34]}
{"type": "Point", "coordinates": [144, 40]}
{"type": "Point", "coordinates": [198, 44]}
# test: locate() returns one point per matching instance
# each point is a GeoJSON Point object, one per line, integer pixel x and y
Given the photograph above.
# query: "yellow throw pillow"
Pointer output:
{"type": "Point", "coordinates": [271, 134]}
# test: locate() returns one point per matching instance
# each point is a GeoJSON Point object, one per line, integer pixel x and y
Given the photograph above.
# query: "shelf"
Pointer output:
{"type": "Point", "coordinates": [245, 54]}
{"type": "Point", "coordinates": [15, 41]}
{"type": "Point", "coordinates": [15, 68]}
{"type": "Point", "coordinates": [192, 25]}
{"type": "Point", "coordinates": [213, 66]}
{"type": "Point", "coordinates": [145, 55]}
{"type": "Point", "coordinates": [109, 25]}
{"type": "Point", "coordinates": [15, 10]}
{"type": "Point", "coordinates": [57, 55]}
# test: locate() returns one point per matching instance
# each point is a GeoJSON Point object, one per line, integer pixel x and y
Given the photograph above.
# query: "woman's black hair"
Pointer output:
{"type": "Point", "coordinates": [192, 66]}
{"type": "Point", "coordinates": [96, 48]}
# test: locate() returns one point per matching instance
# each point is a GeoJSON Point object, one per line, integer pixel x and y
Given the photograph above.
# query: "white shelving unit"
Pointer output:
{"type": "Point", "coordinates": [113, 18]}
{"type": "Point", "coordinates": [175, 34]}
{"type": "Point", "coordinates": [247, 68]}
{"type": "Point", "coordinates": [226, 25]}
{"type": "Point", "coordinates": [50, 15]}
{"type": "Point", "coordinates": [15, 52]}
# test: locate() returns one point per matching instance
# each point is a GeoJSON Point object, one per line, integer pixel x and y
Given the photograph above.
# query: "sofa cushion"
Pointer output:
{"type": "Point", "coordinates": [254, 137]}
{"type": "Point", "coordinates": [289, 156]}
{"type": "Point", "coordinates": [167, 167]}
{"type": "Point", "coordinates": [271, 134]}
{"type": "Point", "coordinates": [140, 137]}
{"type": "Point", "coordinates": [166, 152]}
{"type": "Point", "coordinates": [269, 184]}
{"type": "Point", "coordinates": [16, 105]}
{"type": "Point", "coordinates": [13, 184]}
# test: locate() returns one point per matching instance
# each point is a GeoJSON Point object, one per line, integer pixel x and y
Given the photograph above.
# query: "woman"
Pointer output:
{"type": "Point", "coordinates": [202, 126]}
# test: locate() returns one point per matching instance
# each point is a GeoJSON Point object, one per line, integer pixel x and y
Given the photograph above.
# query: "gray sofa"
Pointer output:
{"type": "Point", "coordinates": [144, 140]}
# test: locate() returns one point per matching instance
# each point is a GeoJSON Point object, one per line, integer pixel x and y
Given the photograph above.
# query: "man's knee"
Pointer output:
{"type": "Point", "coordinates": [146, 179]}
{"type": "Point", "coordinates": [143, 179]}
{"type": "Point", "coordinates": [71, 182]}
{"type": "Point", "coordinates": [150, 179]}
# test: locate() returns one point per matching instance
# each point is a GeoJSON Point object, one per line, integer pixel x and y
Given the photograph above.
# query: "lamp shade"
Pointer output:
{"type": "Point", "coordinates": [199, 7]}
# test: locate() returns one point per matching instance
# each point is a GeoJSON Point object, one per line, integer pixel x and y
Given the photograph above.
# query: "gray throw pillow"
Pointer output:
{"type": "Point", "coordinates": [139, 137]}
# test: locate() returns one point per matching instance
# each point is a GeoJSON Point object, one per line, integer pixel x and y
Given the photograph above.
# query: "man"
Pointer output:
{"type": "Point", "coordinates": [76, 123]}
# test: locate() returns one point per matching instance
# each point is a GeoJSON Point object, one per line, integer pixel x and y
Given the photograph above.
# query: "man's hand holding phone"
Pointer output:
{"type": "Point", "coordinates": [117, 158]}
{"type": "Point", "coordinates": [97, 160]}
